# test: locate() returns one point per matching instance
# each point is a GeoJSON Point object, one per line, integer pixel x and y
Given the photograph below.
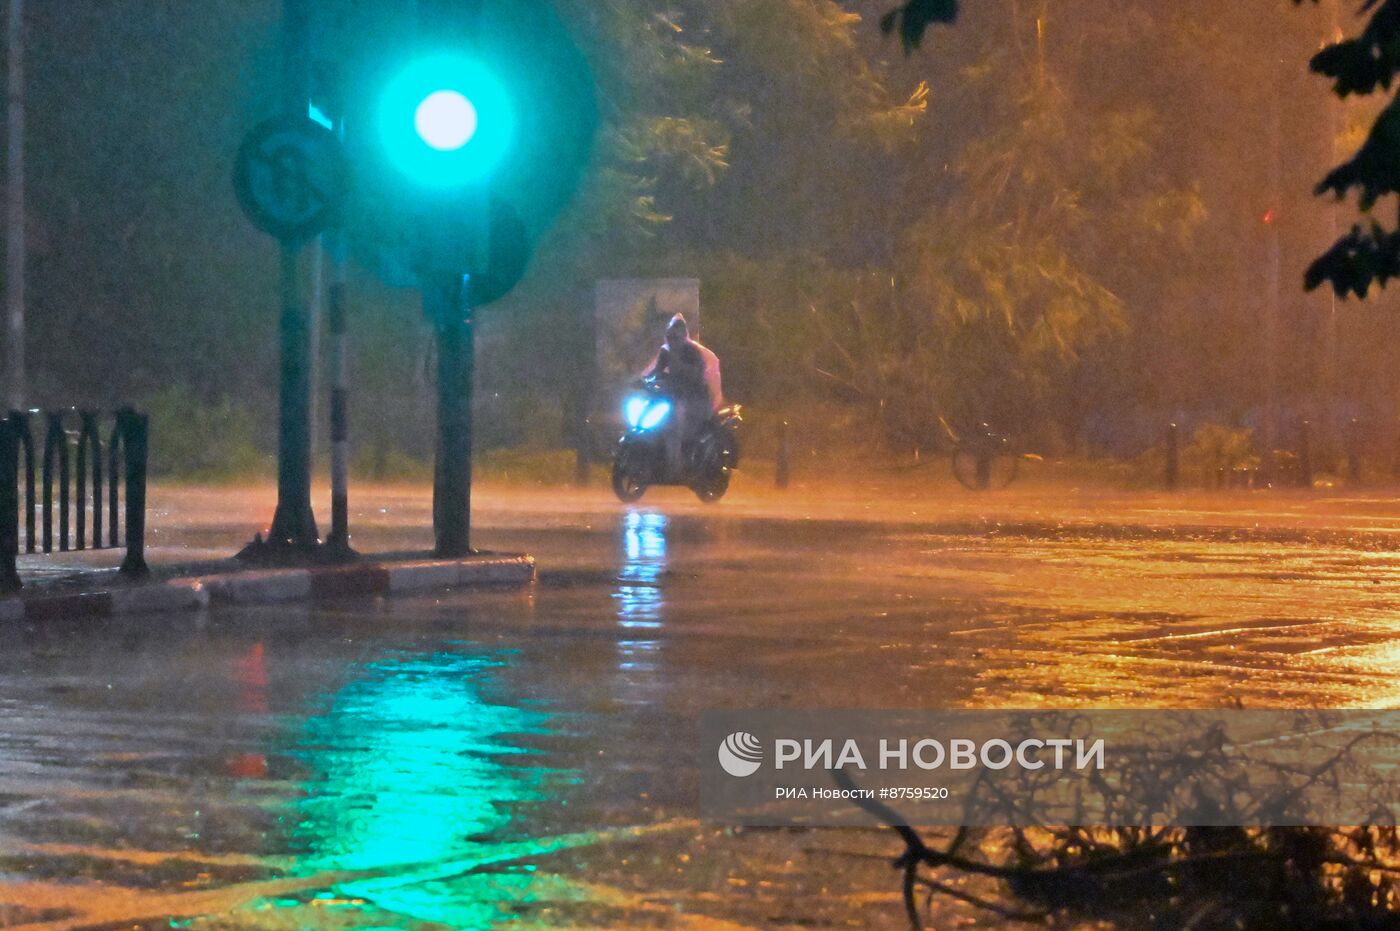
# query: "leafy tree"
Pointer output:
{"type": "Point", "coordinates": [1369, 253]}
{"type": "Point", "coordinates": [699, 93]}
{"type": "Point", "coordinates": [1363, 64]}
{"type": "Point", "coordinates": [1016, 269]}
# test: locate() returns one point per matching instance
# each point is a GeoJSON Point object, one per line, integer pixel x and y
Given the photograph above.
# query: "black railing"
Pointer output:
{"type": "Point", "coordinates": [79, 480]}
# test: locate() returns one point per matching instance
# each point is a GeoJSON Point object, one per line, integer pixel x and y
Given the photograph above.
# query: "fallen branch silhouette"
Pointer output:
{"type": "Point", "coordinates": [1178, 878]}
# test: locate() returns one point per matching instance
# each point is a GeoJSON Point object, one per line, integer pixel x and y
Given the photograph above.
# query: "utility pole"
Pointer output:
{"type": "Point", "coordinates": [294, 524]}
{"type": "Point", "coordinates": [16, 387]}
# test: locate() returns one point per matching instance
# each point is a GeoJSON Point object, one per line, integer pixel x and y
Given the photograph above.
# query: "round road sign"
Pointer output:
{"type": "Point", "coordinates": [290, 177]}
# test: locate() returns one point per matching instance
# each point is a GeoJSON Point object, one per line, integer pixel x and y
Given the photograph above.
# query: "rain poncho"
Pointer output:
{"type": "Point", "coordinates": [709, 370]}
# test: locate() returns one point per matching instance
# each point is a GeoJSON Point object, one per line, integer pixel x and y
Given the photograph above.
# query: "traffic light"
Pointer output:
{"type": "Point", "coordinates": [446, 121]}
{"type": "Point", "coordinates": [463, 156]}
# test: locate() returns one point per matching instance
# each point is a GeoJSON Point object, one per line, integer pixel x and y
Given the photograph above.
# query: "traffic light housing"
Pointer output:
{"type": "Point", "coordinates": [468, 134]}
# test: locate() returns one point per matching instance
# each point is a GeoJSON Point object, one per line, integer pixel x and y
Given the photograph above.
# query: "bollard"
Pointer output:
{"type": "Point", "coordinates": [583, 468]}
{"type": "Point", "coordinates": [1173, 456]}
{"type": "Point", "coordinates": [1305, 469]}
{"type": "Point", "coordinates": [1395, 465]}
{"type": "Point", "coordinates": [135, 430]}
{"type": "Point", "coordinates": [1354, 451]}
{"type": "Point", "coordinates": [9, 505]}
{"type": "Point", "coordinates": [784, 472]}
{"type": "Point", "coordinates": [984, 458]}
{"type": "Point", "coordinates": [583, 453]}
{"type": "Point", "coordinates": [984, 471]}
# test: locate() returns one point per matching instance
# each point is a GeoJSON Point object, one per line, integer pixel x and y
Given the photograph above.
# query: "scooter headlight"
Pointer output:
{"type": "Point", "coordinates": [633, 409]}
{"type": "Point", "coordinates": [655, 415]}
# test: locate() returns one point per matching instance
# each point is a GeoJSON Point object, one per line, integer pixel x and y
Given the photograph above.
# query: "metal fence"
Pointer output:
{"type": "Point", "coordinates": [85, 473]}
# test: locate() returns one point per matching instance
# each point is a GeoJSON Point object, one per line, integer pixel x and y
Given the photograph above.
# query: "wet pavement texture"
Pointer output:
{"type": "Point", "coordinates": [529, 758]}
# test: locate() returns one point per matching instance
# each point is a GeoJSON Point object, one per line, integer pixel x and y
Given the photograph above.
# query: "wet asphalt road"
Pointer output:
{"type": "Point", "coordinates": [529, 758]}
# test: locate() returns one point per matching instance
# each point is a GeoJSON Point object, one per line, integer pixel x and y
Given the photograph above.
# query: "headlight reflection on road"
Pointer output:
{"type": "Point", "coordinates": [638, 595]}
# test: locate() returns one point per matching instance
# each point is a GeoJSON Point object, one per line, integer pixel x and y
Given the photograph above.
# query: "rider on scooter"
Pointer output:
{"type": "Point", "coordinates": [689, 374]}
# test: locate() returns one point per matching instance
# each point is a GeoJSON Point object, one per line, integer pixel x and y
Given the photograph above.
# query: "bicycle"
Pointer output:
{"type": "Point", "coordinates": [984, 460]}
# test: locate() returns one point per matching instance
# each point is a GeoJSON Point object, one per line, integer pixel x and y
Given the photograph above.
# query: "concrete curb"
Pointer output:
{"type": "Point", "coordinates": [272, 586]}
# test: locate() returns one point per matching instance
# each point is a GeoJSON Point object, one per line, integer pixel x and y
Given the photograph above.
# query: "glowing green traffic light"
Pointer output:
{"type": "Point", "coordinates": [446, 121]}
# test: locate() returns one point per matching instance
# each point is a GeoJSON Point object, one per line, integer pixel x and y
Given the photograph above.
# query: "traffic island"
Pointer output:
{"type": "Point", "coordinates": [194, 587]}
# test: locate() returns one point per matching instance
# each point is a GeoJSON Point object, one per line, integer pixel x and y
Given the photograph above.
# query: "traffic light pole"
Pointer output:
{"type": "Point", "coordinates": [293, 523]}
{"type": "Point", "coordinates": [444, 299]}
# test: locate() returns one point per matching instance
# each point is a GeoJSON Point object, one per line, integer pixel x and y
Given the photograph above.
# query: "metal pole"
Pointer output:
{"type": "Point", "coordinates": [15, 248]}
{"type": "Point", "coordinates": [582, 401]}
{"type": "Point", "coordinates": [583, 452]}
{"type": "Point", "coordinates": [1354, 451]}
{"type": "Point", "coordinates": [984, 458]}
{"type": "Point", "coordinates": [339, 538]}
{"type": "Point", "coordinates": [444, 302]}
{"type": "Point", "coordinates": [337, 248]}
{"type": "Point", "coordinates": [1173, 456]}
{"type": "Point", "coordinates": [784, 472]}
{"type": "Point", "coordinates": [294, 524]}
{"type": "Point", "coordinates": [1395, 466]}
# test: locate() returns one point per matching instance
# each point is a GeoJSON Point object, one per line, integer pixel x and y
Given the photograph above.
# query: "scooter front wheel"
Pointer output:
{"type": "Point", "coordinates": [627, 485]}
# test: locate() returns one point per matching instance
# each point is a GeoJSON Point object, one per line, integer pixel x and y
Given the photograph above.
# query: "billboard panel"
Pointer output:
{"type": "Point", "coordinates": [630, 324]}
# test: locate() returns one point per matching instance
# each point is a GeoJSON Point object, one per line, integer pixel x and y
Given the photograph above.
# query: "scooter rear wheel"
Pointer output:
{"type": "Point", "coordinates": [712, 488]}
